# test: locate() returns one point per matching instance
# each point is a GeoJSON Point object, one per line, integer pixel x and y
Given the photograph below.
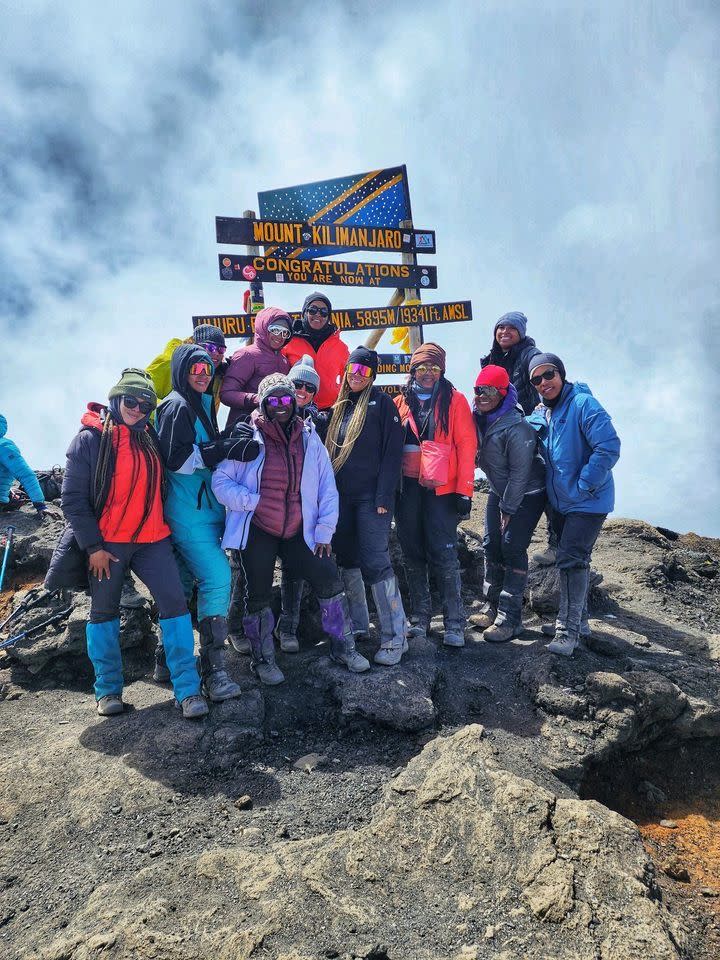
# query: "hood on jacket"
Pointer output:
{"type": "Point", "coordinates": [183, 358]}
{"type": "Point", "coordinates": [94, 416]}
{"type": "Point", "coordinates": [263, 321]}
{"type": "Point", "coordinates": [3, 426]}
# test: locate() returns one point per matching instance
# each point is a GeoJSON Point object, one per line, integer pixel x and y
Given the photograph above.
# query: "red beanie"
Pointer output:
{"type": "Point", "coordinates": [493, 376]}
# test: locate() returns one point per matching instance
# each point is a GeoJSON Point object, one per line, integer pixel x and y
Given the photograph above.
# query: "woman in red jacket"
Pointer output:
{"type": "Point", "coordinates": [438, 473]}
{"type": "Point", "coordinates": [317, 336]}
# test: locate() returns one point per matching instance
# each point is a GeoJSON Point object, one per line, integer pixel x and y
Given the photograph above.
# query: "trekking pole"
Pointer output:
{"type": "Point", "coordinates": [34, 598]}
{"type": "Point", "coordinates": [9, 534]}
{"type": "Point", "coordinates": [38, 626]}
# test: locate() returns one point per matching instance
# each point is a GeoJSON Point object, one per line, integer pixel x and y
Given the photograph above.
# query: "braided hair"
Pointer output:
{"type": "Point", "coordinates": [340, 450]}
{"type": "Point", "coordinates": [441, 401]}
{"type": "Point", "coordinates": [143, 447]}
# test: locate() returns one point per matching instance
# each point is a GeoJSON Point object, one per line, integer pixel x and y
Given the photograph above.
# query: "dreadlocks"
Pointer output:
{"type": "Point", "coordinates": [339, 447]}
{"type": "Point", "coordinates": [144, 448]}
{"type": "Point", "coordinates": [441, 402]}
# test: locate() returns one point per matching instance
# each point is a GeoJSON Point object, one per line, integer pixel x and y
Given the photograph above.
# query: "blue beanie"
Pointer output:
{"type": "Point", "coordinates": [513, 319]}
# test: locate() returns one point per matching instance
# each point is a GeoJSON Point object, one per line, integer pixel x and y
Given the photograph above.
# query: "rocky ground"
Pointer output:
{"type": "Point", "coordinates": [468, 804]}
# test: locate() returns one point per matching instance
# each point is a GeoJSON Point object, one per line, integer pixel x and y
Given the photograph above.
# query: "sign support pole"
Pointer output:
{"type": "Point", "coordinates": [415, 333]}
{"type": "Point", "coordinates": [257, 298]}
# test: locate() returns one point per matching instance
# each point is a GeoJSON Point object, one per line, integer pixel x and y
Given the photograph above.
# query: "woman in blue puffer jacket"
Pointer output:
{"type": "Point", "coordinates": [580, 447]}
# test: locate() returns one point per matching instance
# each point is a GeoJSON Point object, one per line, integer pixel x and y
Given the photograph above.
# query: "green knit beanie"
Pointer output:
{"type": "Point", "coordinates": [134, 383]}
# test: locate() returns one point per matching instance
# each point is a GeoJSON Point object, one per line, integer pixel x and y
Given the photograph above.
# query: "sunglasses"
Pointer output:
{"type": "Point", "coordinates": [280, 332]}
{"type": "Point", "coordinates": [486, 391]}
{"type": "Point", "coordinates": [546, 375]}
{"type": "Point", "coordinates": [359, 370]}
{"type": "Point", "coordinates": [304, 385]}
{"type": "Point", "coordinates": [426, 368]}
{"type": "Point", "coordinates": [214, 348]}
{"type": "Point", "coordinates": [313, 311]}
{"type": "Point", "coordinates": [284, 401]}
{"type": "Point", "coordinates": [132, 404]}
{"type": "Point", "coordinates": [201, 369]}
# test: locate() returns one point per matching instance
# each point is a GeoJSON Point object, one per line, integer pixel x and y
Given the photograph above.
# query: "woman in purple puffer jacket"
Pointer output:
{"type": "Point", "coordinates": [285, 504]}
{"type": "Point", "coordinates": [249, 365]}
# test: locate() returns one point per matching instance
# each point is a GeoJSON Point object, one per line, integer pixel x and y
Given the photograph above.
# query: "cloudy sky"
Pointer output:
{"type": "Point", "coordinates": [565, 152]}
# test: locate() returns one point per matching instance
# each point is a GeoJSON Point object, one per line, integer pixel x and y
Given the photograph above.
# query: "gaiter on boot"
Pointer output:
{"type": "Point", "coordinates": [216, 681]}
{"type": "Point", "coordinates": [391, 615]}
{"type": "Point", "coordinates": [357, 599]}
{"type": "Point", "coordinates": [508, 622]}
{"type": "Point", "coordinates": [337, 624]}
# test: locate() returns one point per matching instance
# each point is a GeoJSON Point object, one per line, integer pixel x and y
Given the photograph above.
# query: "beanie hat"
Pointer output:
{"type": "Point", "coordinates": [493, 376]}
{"type": "Point", "coordinates": [208, 333]}
{"type": "Point", "coordinates": [513, 319]}
{"type": "Point", "coordinates": [366, 356]}
{"type": "Point", "coordinates": [428, 353]}
{"type": "Point", "coordinates": [541, 359]}
{"type": "Point", "coordinates": [272, 382]}
{"type": "Point", "coordinates": [316, 296]}
{"type": "Point", "coordinates": [134, 383]}
{"type": "Point", "coordinates": [305, 370]}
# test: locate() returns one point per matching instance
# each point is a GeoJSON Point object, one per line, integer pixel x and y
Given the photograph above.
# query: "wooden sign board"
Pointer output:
{"type": "Point", "coordinates": [335, 272]}
{"type": "Point", "coordinates": [392, 388]}
{"type": "Point", "coordinates": [300, 236]}
{"type": "Point", "coordinates": [394, 363]}
{"type": "Point", "coordinates": [368, 318]}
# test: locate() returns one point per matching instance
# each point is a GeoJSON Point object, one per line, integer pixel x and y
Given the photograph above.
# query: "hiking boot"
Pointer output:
{"type": "Point", "coordinates": [420, 601]}
{"type": "Point", "coordinates": [239, 642]}
{"type": "Point", "coordinates": [453, 610]}
{"type": "Point", "coordinates": [563, 645]}
{"type": "Point", "coordinates": [508, 622]}
{"type": "Point", "coordinates": [194, 707]}
{"type": "Point", "coordinates": [110, 705]}
{"type": "Point", "coordinates": [484, 619]}
{"type": "Point", "coordinates": [130, 599]}
{"type": "Point", "coordinates": [259, 630]}
{"type": "Point", "coordinates": [393, 625]}
{"type": "Point", "coordinates": [550, 629]}
{"type": "Point", "coordinates": [357, 600]}
{"type": "Point", "coordinates": [546, 558]}
{"type": "Point", "coordinates": [337, 624]}
{"type": "Point", "coordinates": [161, 671]}
{"type": "Point", "coordinates": [291, 592]}
{"type": "Point", "coordinates": [573, 599]}
{"type": "Point", "coordinates": [216, 681]}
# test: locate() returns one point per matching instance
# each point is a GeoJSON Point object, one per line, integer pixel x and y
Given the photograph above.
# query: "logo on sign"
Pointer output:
{"type": "Point", "coordinates": [249, 272]}
{"type": "Point", "coordinates": [227, 261]}
{"type": "Point", "coordinates": [307, 235]}
{"type": "Point", "coordinates": [423, 241]}
{"type": "Point", "coordinates": [226, 273]}
{"type": "Point", "coordinates": [425, 281]}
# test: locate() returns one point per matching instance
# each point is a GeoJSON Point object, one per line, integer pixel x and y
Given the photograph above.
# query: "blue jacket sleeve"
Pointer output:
{"type": "Point", "coordinates": [15, 464]}
{"type": "Point", "coordinates": [600, 434]}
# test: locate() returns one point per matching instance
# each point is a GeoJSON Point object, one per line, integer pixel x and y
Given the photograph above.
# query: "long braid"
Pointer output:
{"type": "Point", "coordinates": [105, 466]}
{"type": "Point", "coordinates": [340, 451]}
{"type": "Point", "coordinates": [441, 405]}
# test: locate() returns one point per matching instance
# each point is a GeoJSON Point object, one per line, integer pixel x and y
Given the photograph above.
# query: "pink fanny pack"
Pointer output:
{"type": "Point", "coordinates": [434, 463]}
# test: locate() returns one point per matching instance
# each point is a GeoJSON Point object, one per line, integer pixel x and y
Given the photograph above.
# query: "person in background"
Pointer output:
{"type": "Point", "coordinates": [580, 447]}
{"type": "Point", "coordinates": [316, 336]}
{"type": "Point", "coordinates": [192, 447]}
{"type": "Point", "coordinates": [508, 456]}
{"type": "Point", "coordinates": [212, 340]}
{"type": "Point", "coordinates": [250, 364]}
{"type": "Point", "coordinates": [285, 505]}
{"type": "Point", "coordinates": [365, 442]}
{"type": "Point", "coordinates": [13, 466]}
{"type": "Point", "coordinates": [305, 379]}
{"type": "Point", "coordinates": [112, 499]}
{"type": "Point", "coordinates": [438, 469]}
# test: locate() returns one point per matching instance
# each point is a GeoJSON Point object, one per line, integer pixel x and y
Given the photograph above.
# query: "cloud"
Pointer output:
{"type": "Point", "coordinates": [567, 158]}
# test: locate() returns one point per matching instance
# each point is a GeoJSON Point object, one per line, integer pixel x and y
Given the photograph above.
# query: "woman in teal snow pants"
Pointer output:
{"type": "Point", "coordinates": [192, 447]}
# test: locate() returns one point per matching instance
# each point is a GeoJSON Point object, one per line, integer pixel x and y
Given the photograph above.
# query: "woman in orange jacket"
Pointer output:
{"type": "Point", "coordinates": [318, 337]}
{"type": "Point", "coordinates": [438, 472]}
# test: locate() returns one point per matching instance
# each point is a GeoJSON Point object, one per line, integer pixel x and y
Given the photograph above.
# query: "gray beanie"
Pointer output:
{"type": "Point", "coordinates": [305, 370]}
{"type": "Point", "coordinates": [545, 359]}
{"type": "Point", "coordinates": [513, 319]}
{"type": "Point", "coordinates": [272, 382]}
{"type": "Point", "coordinates": [208, 333]}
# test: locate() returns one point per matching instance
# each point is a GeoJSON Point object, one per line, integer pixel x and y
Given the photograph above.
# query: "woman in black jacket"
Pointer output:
{"type": "Point", "coordinates": [365, 439]}
{"type": "Point", "coordinates": [512, 350]}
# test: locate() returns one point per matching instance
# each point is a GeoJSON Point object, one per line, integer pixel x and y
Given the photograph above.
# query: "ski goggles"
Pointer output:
{"type": "Point", "coordinates": [280, 330]}
{"type": "Point", "coordinates": [132, 403]}
{"type": "Point", "coordinates": [424, 368]}
{"type": "Point", "coordinates": [284, 401]}
{"type": "Point", "coordinates": [545, 375]}
{"type": "Point", "coordinates": [201, 369]}
{"type": "Point", "coordinates": [214, 348]}
{"type": "Point", "coordinates": [304, 385]}
{"type": "Point", "coordinates": [359, 370]}
{"type": "Point", "coordinates": [314, 311]}
{"type": "Point", "coordinates": [487, 391]}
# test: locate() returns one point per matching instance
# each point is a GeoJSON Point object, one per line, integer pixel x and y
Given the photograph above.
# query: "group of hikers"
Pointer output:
{"type": "Point", "coordinates": [313, 465]}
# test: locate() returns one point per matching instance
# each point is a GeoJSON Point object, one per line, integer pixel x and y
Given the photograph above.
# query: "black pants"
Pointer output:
{"type": "Point", "coordinates": [509, 549]}
{"type": "Point", "coordinates": [236, 610]}
{"type": "Point", "coordinates": [154, 564]}
{"type": "Point", "coordinates": [362, 539]}
{"type": "Point", "coordinates": [577, 533]}
{"type": "Point", "coordinates": [298, 562]}
{"type": "Point", "coordinates": [427, 527]}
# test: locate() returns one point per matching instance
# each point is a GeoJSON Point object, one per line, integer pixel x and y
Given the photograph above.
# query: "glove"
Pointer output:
{"type": "Point", "coordinates": [40, 506]}
{"type": "Point", "coordinates": [213, 452]}
{"type": "Point", "coordinates": [228, 448]}
{"type": "Point", "coordinates": [463, 505]}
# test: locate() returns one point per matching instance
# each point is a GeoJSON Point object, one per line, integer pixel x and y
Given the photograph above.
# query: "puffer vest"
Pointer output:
{"type": "Point", "coordinates": [279, 510]}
